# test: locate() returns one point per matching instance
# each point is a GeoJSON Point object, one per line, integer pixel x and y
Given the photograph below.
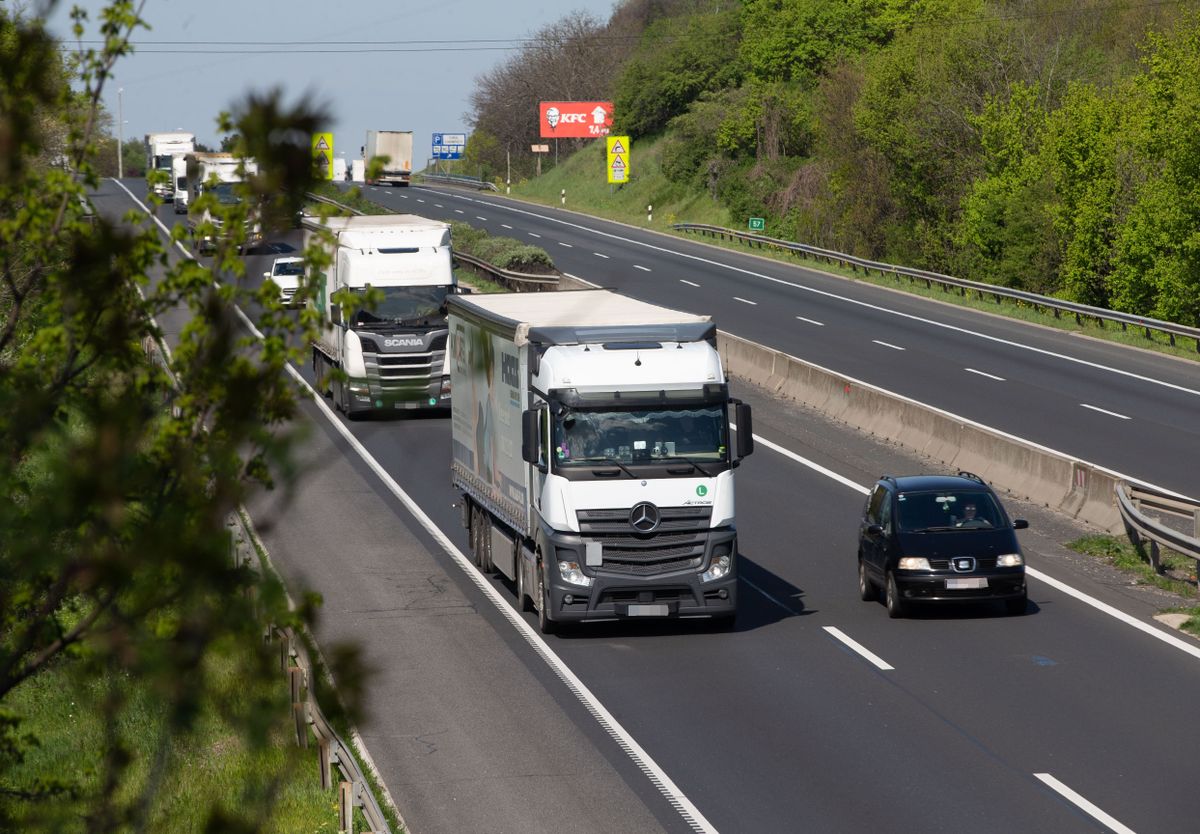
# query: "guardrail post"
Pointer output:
{"type": "Point", "coordinates": [650, 214]}
{"type": "Point", "coordinates": [1154, 563]}
{"type": "Point", "coordinates": [299, 707]}
{"type": "Point", "coordinates": [285, 651]}
{"type": "Point", "coordinates": [1196, 524]}
{"type": "Point", "coordinates": [325, 762]}
{"type": "Point", "coordinates": [345, 808]}
{"type": "Point", "coordinates": [564, 196]}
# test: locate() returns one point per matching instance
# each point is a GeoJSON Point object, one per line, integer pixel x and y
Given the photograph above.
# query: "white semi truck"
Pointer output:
{"type": "Point", "coordinates": [591, 445]}
{"type": "Point", "coordinates": [397, 146]}
{"type": "Point", "coordinates": [161, 151]}
{"type": "Point", "coordinates": [393, 355]}
{"type": "Point", "coordinates": [217, 174]}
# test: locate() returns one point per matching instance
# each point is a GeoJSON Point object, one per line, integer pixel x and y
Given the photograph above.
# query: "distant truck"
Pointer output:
{"type": "Point", "coordinates": [161, 151]}
{"type": "Point", "coordinates": [217, 174]}
{"type": "Point", "coordinates": [591, 444]}
{"type": "Point", "coordinates": [394, 355]}
{"type": "Point", "coordinates": [397, 145]}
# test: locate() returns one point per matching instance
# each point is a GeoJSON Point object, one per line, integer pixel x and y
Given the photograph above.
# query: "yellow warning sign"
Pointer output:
{"type": "Point", "coordinates": [617, 163]}
{"type": "Point", "coordinates": [322, 150]}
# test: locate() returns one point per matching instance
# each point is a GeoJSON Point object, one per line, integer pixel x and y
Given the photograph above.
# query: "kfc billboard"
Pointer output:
{"type": "Point", "coordinates": [574, 119]}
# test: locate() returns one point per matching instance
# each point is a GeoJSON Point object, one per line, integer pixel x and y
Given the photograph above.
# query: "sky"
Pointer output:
{"type": "Point", "coordinates": [425, 89]}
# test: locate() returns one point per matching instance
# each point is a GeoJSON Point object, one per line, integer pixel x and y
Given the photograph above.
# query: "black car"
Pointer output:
{"type": "Point", "coordinates": [939, 538]}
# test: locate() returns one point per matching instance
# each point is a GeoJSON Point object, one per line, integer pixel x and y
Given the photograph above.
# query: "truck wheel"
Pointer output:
{"type": "Point", "coordinates": [545, 624]}
{"type": "Point", "coordinates": [522, 597]}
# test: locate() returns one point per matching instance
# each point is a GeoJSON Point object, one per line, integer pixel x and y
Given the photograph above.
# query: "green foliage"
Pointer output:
{"type": "Point", "coordinates": [120, 471]}
{"type": "Point", "coordinates": [679, 59]}
{"type": "Point", "coordinates": [504, 252]}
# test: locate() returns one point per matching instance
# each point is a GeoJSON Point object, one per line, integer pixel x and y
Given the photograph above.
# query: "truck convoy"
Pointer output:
{"type": "Point", "coordinates": [392, 354]}
{"type": "Point", "coordinates": [162, 149]}
{"type": "Point", "coordinates": [397, 145]}
{"type": "Point", "coordinates": [591, 445]}
{"type": "Point", "coordinates": [217, 174]}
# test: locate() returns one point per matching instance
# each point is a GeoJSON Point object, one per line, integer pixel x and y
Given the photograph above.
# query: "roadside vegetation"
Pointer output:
{"type": "Point", "coordinates": [1178, 576]}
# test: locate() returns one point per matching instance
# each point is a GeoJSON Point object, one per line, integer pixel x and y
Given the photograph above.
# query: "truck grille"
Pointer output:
{"type": "Point", "coordinates": [677, 544]}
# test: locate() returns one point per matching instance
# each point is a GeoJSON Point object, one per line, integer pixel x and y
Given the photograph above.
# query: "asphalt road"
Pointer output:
{"type": "Point", "coordinates": [957, 719]}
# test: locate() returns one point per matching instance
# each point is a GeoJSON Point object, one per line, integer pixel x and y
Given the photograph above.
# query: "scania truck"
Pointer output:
{"type": "Point", "coordinates": [217, 174]}
{"type": "Point", "coordinates": [391, 353]}
{"type": "Point", "coordinates": [592, 447]}
{"type": "Point", "coordinates": [397, 146]}
{"type": "Point", "coordinates": [162, 149]}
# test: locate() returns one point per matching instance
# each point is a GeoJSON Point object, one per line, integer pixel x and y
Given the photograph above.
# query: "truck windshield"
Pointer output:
{"type": "Point", "coordinates": [405, 305]}
{"type": "Point", "coordinates": [694, 433]}
{"type": "Point", "coordinates": [225, 194]}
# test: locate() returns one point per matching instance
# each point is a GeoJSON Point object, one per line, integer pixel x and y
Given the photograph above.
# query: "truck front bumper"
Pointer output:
{"type": "Point", "coordinates": [369, 395]}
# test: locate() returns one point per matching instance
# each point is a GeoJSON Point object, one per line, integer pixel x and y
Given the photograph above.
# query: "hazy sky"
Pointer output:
{"type": "Point", "coordinates": [166, 88]}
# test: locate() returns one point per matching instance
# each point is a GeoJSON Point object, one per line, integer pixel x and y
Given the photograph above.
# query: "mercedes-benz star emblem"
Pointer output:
{"type": "Point", "coordinates": [644, 517]}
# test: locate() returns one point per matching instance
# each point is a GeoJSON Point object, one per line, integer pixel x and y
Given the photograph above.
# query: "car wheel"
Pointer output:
{"type": "Point", "coordinates": [1016, 607]}
{"type": "Point", "coordinates": [545, 624]}
{"type": "Point", "coordinates": [867, 591]}
{"type": "Point", "coordinates": [891, 598]}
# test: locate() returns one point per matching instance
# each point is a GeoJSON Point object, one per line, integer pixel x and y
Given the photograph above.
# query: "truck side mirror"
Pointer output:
{"type": "Point", "coordinates": [530, 438]}
{"type": "Point", "coordinates": [745, 430]}
{"type": "Point", "coordinates": [335, 314]}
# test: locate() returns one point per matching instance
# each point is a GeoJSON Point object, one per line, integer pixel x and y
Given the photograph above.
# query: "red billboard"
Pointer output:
{"type": "Point", "coordinates": [574, 119]}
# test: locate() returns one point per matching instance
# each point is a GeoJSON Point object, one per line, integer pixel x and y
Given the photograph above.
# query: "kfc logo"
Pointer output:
{"type": "Point", "coordinates": [552, 116]}
{"type": "Point", "coordinates": [575, 119]}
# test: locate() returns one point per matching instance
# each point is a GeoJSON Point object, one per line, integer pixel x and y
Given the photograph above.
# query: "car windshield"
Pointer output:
{"type": "Point", "coordinates": [289, 267]}
{"type": "Point", "coordinates": [696, 433]}
{"type": "Point", "coordinates": [922, 512]}
{"type": "Point", "coordinates": [404, 305]}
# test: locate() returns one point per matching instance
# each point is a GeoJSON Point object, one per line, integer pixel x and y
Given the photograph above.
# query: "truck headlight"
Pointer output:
{"type": "Point", "coordinates": [572, 573]}
{"type": "Point", "coordinates": [721, 564]}
{"type": "Point", "coordinates": [913, 563]}
{"type": "Point", "coordinates": [1009, 560]}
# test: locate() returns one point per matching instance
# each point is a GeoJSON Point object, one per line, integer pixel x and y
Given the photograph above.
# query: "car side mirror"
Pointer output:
{"type": "Point", "coordinates": [874, 530]}
{"type": "Point", "coordinates": [1020, 524]}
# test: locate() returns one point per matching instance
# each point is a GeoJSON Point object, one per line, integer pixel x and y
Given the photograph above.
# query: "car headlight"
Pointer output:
{"type": "Point", "coordinates": [1009, 560]}
{"type": "Point", "coordinates": [572, 573]}
{"type": "Point", "coordinates": [720, 566]}
{"type": "Point", "coordinates": [914, 563]}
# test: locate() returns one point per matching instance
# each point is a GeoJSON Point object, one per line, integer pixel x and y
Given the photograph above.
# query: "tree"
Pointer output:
{"type": "Point", "coordinates": [113, 545]}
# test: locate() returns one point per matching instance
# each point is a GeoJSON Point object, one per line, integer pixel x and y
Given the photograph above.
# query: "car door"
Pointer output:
{"type": "Point", "coordinates": [870, 544]}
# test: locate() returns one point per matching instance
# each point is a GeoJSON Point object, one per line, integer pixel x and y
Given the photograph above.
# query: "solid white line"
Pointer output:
{"type": "Point", "coordinates": [657, 776]}
{"type": "Point", "coordinates": [689, 283]}
{"type": "Point", "coordinates": [600, 255]}
{"type": "Point", "coordinates": [835, 296]}
{"type": "Point", "coordinates": [746, 301]}
{"type": "Point", "coordinates": [816, 467]}
{"type": "Point", "coordinates": [812, 321]}
{"type": "Point", "coordinates": [642, 268]}
{"type": "Point", "coordinates": [860, 649]}
{"type": "Point", "coordinates": [886, 345]}
{"type": "Point", "coordinates": [989, 376]}
{"type": "Point", "coordinates": [505, 226]}
{"type": "Point", "coordinates": [569, 246]}
{"type": "Point", "coordinates": [1075, 799]}
{"type": "Point", "coordinates": [1105, 411]}
{"type": "Point", "coordinates": [784, 606]}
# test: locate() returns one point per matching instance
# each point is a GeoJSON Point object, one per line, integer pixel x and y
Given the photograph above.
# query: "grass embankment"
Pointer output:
{"type": "Point", "coordinates": [211, 766]}
{"type": "Point", "coordinates": [583, 177]}
{"type": "Point", "coordinates": [1125, 557]}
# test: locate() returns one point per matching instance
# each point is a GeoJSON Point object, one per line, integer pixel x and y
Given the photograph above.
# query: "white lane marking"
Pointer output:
{"type": "Point", "coordinates": [835, 296]}
{"type": "Point", "coordinates": [403, 196]}
{"type": "Point", "coordinates": [887, 345]}
{"type": "Point", "coordinates": [419, 200]}
{"type": "Point", "coordinates": [484, 219]}
{"type": "Point", "coordinates": [505, 226]}
{"type": "Point", "coordinates": [600, 255]}
{"type": "Point", "coordinates": [569, 246]}
{"type": "Point", "coordinates": [533, 234]}
{"type": "Point", "coordinates": [689, 283]}
{"type": "Point", "coordinates": [782, 605]}
{"type": "Point", "coordinates": [438, 205]}
{"type": "Point", "coordinates": [859, 648]}
{"type": "Point", "coordinates": [654, 772]}
{"type": "Point", "coordinates": [1105, 411]}
{"type": "Point", "coordinates": [812, 321]}
{"type": "Point", "coordinates": [1092, 810]}
{"type": "Point", "coordinates": [642, 268]}
{"type": "Point", "coordinates": [459, 211]}
{"type": "Point", "coordinates": [816, 467]}
{"type": "Point", "coordinates": [746, 301]}
{"type": "Point", "coordinates": [989, 376]}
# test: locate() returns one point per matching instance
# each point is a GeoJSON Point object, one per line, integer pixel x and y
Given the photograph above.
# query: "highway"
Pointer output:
{"type": "Point", "coordinates": [817, 713]}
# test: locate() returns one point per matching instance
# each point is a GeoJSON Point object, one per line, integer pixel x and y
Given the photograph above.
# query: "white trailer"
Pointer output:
{"type": "Point", "coordinates": [161, 151]}
{"type": "Point", "coordinates": [397, 146]}
{"type": "Point", "coordinates": [218, 175]}
{"type": "Point", "coordinates": [591, 445]}
{"type": "Point", "coordinates": [392, 355]}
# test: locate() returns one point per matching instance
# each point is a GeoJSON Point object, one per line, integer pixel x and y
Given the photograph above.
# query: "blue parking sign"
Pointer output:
{"type": "Point", "coordinates": [449, 145]}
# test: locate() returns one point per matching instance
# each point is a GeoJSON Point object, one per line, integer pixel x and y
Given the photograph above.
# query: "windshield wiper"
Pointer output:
{"type": "Point", "coordinates": [692, 461]}
{"type": "Point", "coordinates": [933, 529]}
{"type": "Point", "coordinates": [613, 461]}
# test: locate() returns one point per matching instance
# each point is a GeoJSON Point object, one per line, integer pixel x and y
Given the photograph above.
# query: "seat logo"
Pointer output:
{"type": "Point", "coordinates": [644, 517]}
{"type": "Point", "coordinates": [965, 565]}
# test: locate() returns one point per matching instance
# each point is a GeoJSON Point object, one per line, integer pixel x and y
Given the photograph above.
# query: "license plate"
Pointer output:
{"type": "Point", "coordinates": [658, 610]}
{"type": "Point", "coordinates": [964, 584]}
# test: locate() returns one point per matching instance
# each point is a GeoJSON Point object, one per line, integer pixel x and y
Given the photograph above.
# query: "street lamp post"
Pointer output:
{"type": "Point", "coordinates": [120, 134]}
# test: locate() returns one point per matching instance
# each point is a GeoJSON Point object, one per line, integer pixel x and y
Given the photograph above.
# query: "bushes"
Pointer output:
{"type": "Point", "coordinates": [502, 252]}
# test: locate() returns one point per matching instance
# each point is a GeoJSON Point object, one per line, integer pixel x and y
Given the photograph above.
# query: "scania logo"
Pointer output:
{"type": "Point", "coordinates": [644, 517]}
{"type": "Point", "coordinates": [410, 341]}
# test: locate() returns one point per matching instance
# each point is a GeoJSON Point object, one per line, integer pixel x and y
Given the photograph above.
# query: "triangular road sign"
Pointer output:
{"type": "Point", "coordinates": [617, 147]}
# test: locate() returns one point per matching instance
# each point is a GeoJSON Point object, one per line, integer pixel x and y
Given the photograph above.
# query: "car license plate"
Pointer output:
{"type": "Point", "coordinates": [964, 584]}
{"type": "Point", "coordinates": [659, 610]}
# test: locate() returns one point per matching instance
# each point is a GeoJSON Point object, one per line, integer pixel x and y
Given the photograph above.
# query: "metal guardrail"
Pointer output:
{"type": "Point", "coordinates": [458, 179]}
{"type": "Point", "coordinates": [1058, 306]}
{"type": "Point", "coordinates": [353, 790]}
{"type": "Point", "coordinates": [1134, 499]}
